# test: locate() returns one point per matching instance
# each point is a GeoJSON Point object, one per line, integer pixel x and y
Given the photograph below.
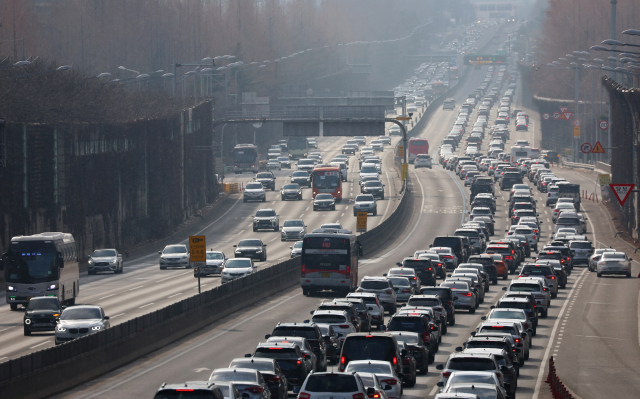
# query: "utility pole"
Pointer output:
{"type": "Point", "coordinates": [577, 100]}
{"type": "Point", "coordinates": [612, 65]}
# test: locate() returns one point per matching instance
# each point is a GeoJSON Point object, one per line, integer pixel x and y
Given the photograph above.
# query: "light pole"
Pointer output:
{"type": "Point", "coordinates": [222, 151]}
{"type": "Point", "coordinates": [60, 68]}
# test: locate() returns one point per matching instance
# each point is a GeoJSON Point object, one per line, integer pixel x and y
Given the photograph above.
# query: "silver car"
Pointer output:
{"type": "Point", "coordinates": [78, 321]}
{"type": "Point", "coordinates": [108, 260]}
{"type": "Point", "coordinates": [174, 256]}
{"type": "Point", "coordinates": [383, 370]}
{"type": "Point", "coordinates": [254, 191]}
{"type": "Point", "coordinates": [382, 287]}
{"type": "Point", "coordinates": [214, 264]}
{"type": "Point", "coordinates": [375, 308]}
{"type": "Point", "coordinates": [581, 251]}
{"type": "Point", "coordinates": [293, 229]}
{"type": "Point", "coordinates": [296, 249]}
{"type": "Point", "coordinates": [464, 297]}
{"type": "Point", "coordinates": [249, 382]}
{"type": "Point", "coordinates": [365, 203]}
{"type": "Point", "coordinates": [236, 268]}
{"type": "Point", "coordinates": [595, 258]}
{"type": "Point", "coordinates": [613, 263]}
{"type": "Point", "coordinates": [403, 288]}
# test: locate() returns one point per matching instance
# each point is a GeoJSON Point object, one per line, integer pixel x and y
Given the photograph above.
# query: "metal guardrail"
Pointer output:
{"type": "Point", "coordinates": [579, 165]}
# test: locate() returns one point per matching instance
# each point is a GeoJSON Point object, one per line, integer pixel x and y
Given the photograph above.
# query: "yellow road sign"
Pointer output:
{"type": "Point", "coordinates": [605, 179]}
{"type": "Point", "coordinates": [197, 249]}
{"type": "Point", "coordinates": [567, 152]}
{"type": "Point", "coordinates": [361, 222]}
{"type": "Point", "coordinates": [403, 118]}
{"type": "Point", "coordinates": [576, 131]}
{"type": "Point", "coordinates": [405, 171]}
{"type": "Point", "coordinates": [401, 151]}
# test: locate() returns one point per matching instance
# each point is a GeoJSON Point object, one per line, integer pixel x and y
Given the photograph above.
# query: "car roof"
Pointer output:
{"type": "Point", "coordinates": [287, 345]}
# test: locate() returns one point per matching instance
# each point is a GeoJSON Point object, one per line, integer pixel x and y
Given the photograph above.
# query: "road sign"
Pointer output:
{"type": "Point", "coordinates": [605, 179]}
{"type": "Point", "coordinates": [567, 115]}
{"type": "Point", "coordinates": [361, 222]}
{"type": "Point", "coordinates": [604, 125]}
{"type": "Point", "coordinates": [585, 147]}
{"type": "Point", "coordinates": [403, 118]}
{"type": "Point", "coordinates": [556, 115]}
{"type": "Point", "coordinates": [564, 109]}
{"type": "Point", "coordinates": [401, 151]}
{"type": "Point", "coordinates": [576, 122]}
{"type": "Point", "coordinates": [621, 191]}
{"type": "Point", "coordinates": [454, 61]}
{"type": "Point", "coordinates": [197, 249]}
{"type": "Point", "coordinates": [597, 149]}
{"type": "Point", "coordinates": [568, 152]}
{"type": "Point", "coordinates": [545, 116]}
{"type": "Point", "coordinates": [576, 131]}
{"type": "Point", "coordinates": [405, 171]}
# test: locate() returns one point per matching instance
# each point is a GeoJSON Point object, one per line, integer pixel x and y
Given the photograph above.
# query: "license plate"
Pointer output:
{"type": "Point", "coordinates": [41, 325]}
{"type": "Point", "coordinates": [325, 275]}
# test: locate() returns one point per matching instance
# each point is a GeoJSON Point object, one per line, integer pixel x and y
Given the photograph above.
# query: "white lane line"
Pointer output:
{"type": "Point", "coordinates": [301, 216]}
{"type": "Point", "coordinates": [342, 214]}
{"type": "Point", "coordinates": [4, 329]}
{"type": "Point", "coordinates": [171, 296]}
{"type": "Point", "coordinates": [105, 297]}
{"type": "Point", "coordinates": [144, 306]}
{"type": "Point", "coordinates": [118, 315]}
{"type": "Point", "coordinates": [194, 347]}
{"type": "Point", "coordinates": [216, 221]}
{"type": "Point", "coordinates": [307, 209]}
{"type": "Point", "coordinates": [241, 231]}
{"type": "Point", "coordinates": [43, 343]}
{"type": "Point", "coordinates": [273, 239]}
{"type": "Point", "coordinates": [4, 357]}
{"type": "Point", "coordinates": [135, 288]}
{"type": "Point", "coordinates": [545, 358]}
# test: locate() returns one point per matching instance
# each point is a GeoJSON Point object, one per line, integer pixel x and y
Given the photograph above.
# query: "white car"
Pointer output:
{"type": "Point", "coordinates": [383, 370]}
{"type": "Point", "coordinates": [595, 258]}
{"type": "Point", "coordinates": [614, 263]}
{"type": "Point", "coordinates": [338, 319]}
{"type": "Point", "coordinates": [346, 385]}
{"type": "Point", "coordinates": [296, 249]}
{"type": "Point", "coordinates": [422, 161]}
{"type": "Point", "coordinates": [274, 165]}
{"type": "Point", "coordinates": [236, 268]}
{"type": "Point", "coordinates": [293, 229]}
{"type": "Point", "coordinates": [254, 191]}
{"type": "Point", "coordinates": [365, 203]}
{"type": "Point", "coordinates": [368, 170]}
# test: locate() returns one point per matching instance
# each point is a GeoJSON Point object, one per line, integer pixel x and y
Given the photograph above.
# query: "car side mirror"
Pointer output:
{"type": "Point", "coordinates": [506, 384]}
{"type": "Point", "coordinates": [529, 330]}
{"type": "Point", "coordinates": [483, 318]}
{"type": "Point", "coordinates": [383, 327]}
{"type": "Point", "coordinates": [492, 307]}
{"type": "Point", "coordinates": [399, 264]}
{"type": "Point", "coordinates": [267, 336]}
{"type": "Point", "coordinates": [629, 259]}
{"type": "Point", "coordinates": [60, 260]}
{"type": "Point", "coordinates": [160, 252]}
{"type": "Point", "coordinates": [504, 288]}
{"type": "Point", "coordinates": [473, 333]}
{"type": "Point", "coordinates": [384, 275]}
{"type": "Point", "coordinates": [459, 349]}
{"type": "Point", "coordinates": [247, 355]}
{"type": "Point", "coordinates": [440, 367]}
{"type": "Point", "coordinates": [311, 312]}
{"type": "Point", "coordinates": [455, 298]}
{"type": "Point", "coordinates": [264, 245]}
{"type": "Point", "coordinates": [430, 245]}
{"type": "Point", "coordinates": [235, 246]}
{"type": "Point", "coordinates": [290, 247]}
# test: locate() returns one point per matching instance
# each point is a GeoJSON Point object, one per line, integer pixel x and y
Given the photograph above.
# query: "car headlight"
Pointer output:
{"type": "Point", "coordinates": [11, 288]}
{"type": "Point", "coordinates": [90, 262]}
{"type": "Point", "coordinates": [52, 287]}
{"type": "Point", "coordinates": [114, 261]}
{"type": "Point", "coordinates": [96, 328]}
{"type": "Point", "coordinates": [27, 321]}
{"type": "Point", "coordinates": [299, 192]}
{"type": "Point", "coordinates": [61, 329]}
{"type": "Point", "coordinates": [259, 251]}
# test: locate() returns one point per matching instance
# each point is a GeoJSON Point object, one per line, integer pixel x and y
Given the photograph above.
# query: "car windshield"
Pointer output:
{"type": "Point", "coordinates": [507, 314]}
{"type": "Point", "coordinates": [471, 364]}
{"type": "Point", "coordinates": [456, 285]}
{"type": "Point", "coordinates": [276, 352]}
{"type": "Point", "coordinates": [233, 375]}
{"type": "Point", "coordinates": [400, 281]}
{"type": "Point", "coordinates": [291, 187]}
{"type": "Point", "coordinates": [103, 253]}
{"type": "Point", "coordinates": [214, 256]}
{"type": "Point", "coordinates": [369, 170]}
{"type": "Point", "coordinates": [537, 270]}
{"type": "Point", "coordinates": [481, 392]}
{"type": "Point", "coordinates": [283, 159]}
{"type": "Point", "coordinates": [264, 176]}
{"type": "Point", "coordinates": [293, 223]}
{"type": "Point", "coordinates": [474, 378]}
{"type": "Point", "coordinates": [253, 186]}
{"type": "Point", "coordinates": [376, 368]}
{"type": "Point", "coordinates": [324, 196]}
{"type": "Point", "coordinates": [306, 162]}
{"type": "Point", "coordinates": [238, 263]}
{"type": "Point", "coordinates": [580, 245]}
{"type": "Point", "coordinates": [373, 184]}
{"type": "Point", "coordinates": [254, 365]}
{"type": "Point", "coordinates": [524, 287]}
{"type": "Point", "coordinates": [300, 174]}
{"type": "Point", "coordinates": [423, 302]}
{"type": "Point", "coordinates": [81, 314]}
{"type": "Point", "coordinates": [49, 303]}
{"type": "Point", "coordinates": [249, 243]}
{"type": "Point", "coordinates": [176, 250]}
{"type": "Point", "coordinates": [364, 198]}
{"type": "Point", "coordinates": [374, 285]}
{"type": "Point", "coordinates": [328, 319]}
{"type": "Point", "coordinates": [265, 213]}
{"type": "Point", "coordinates": [298, 244]}
{"type": "Point", "coordinates": [331, 383]}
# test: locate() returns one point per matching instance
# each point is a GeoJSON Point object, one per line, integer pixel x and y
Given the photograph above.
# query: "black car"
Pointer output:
{"type": "Point", "coordinates": [409, 366]}
{"type": "Point", "coordinates": [363, 311]}
{"type": "Point", "coordinates": [332, 343]}
{"type": "Point", "coordinates": [509, 179]}
{"type": "Point", "coordinates": [271, 372]}
{"type": "Point", "coordinates": [370, 346]}
{"type": "Point", "coordinates": [291, 191]}
{"type": "Point", "coordinates": [324, 201]}
{"type": "Point", "coordinates": [289, 358]}
{"type": "Point", "coordinates": [525, 303]}
{"type": "Point", "coordinates": [252, 248]}
{"type": "Point", "coordinates": [446, 296]}
{"type": "Point", "coordinates": [310, 331]}
{"type": "Point", "coordinates": [373, 187]}
{"type": "Point", "coordinates": [42, 314]}
{"type": "Point", "coordinates": [489, 266]}
{"type": "Point", "coordinates": [481, 185]}
{"type": "Point", "coordinates": [301, 177]}
{"type": "Point", "coordinates": [484, 202]}
{"type": "Point", "coordinates": [416, 346]}
{"type": "Point", "coordinates": [268, 179]}
{"type": "Point", "coordinates": [418, 323]}
{"type": "Point", "coordinates": [424, 269]}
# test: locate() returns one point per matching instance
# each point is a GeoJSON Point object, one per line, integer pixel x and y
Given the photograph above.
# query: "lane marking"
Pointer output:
{"type": "Point", "coordinates": [171, 296]}
{"type": "Point", "coordinates": [135, 288]}
{"type": "Point", "coordinates": [105, 297]}
{"type": "Point", "coordinates": [43, 343]}
{"type": "Point", "coordinates": [4, 329]}
{"type": "Point", "coordinates": [229, 329]}
{"type": "Point", "coordinates": [119, 314]}
{"type": "Point", "coordinates": [169, 278]}
{"type": "Point", "coordinates": [144, 306]}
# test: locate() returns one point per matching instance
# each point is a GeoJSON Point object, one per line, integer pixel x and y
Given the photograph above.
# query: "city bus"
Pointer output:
{"type": "Point", "coordinates": [438, 88]}
{"type": "Point", "coordinates": [325, 178]}
{"type": "Point", "coordinates": [298, 147]}
{"type": "Point", "coordinates": [453, 73]}
{"type": "Point", "coordinates": [329, 261]}
{"type": "Point", "coordinates": [417, 145]}
{"type": "Point", "coordinates": [245, 158]}
{"type": "Point", "coordinates": [44, 264]}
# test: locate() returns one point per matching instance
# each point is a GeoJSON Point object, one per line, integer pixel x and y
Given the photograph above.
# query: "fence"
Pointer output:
{"type": "Point", "coordinates": [558, 389]}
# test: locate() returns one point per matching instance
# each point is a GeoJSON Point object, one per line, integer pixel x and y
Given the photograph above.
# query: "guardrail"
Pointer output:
{"type": "Point", "coordinates": [578, 165]}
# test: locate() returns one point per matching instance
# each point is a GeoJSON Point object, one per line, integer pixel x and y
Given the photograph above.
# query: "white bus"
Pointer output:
{"type": "Point", "coordinates": [521, 151]}
{"type": "Point", "coordinates": [44, 264]}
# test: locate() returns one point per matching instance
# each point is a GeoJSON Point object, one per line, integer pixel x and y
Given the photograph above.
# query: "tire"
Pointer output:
{"type": "Point", "coordinates": [375, 212]}
{"type": "Point", "coordinates": [628, 275]}
{"type": "Point", "coordinates": [424, 370]}
{"type": "Point", "coordinates": [27, 332]}
{"type": "Point", "coordinates": [120, 270]}
{"type": "Point", "coordinates": [264, 257]}
{"type": "Point", "coordinates": [244, 200]}
{"type": "Point", "coordinates": [355, 213]}
{"type": "Point", "coordinates": [444, 327]}
{"type": "Point", "coordinates": [432, 357]}
{"type": "Point", "coordinates": [598, 274]}
{"type": "Point", "coordinates": [254, 229]}
{"type": "Point", "coordinates": [554, 296]}
{"type": "Point", "coordinates": [91, 272]}
{"type": "Point", "coordinates": [163, 268]}
{"type": "Point", "coordinates": [494, 281]}
{"type": "Point", "coordinates": [264, 199]}
{"type": "Point", "coordinates": [382, 197]}
{"type": "Point", "coordinates": [14, 306]}
{"type": "Point", "coordinates": [526, 356]}
{"type": "Point", "coordinates": [333, 208]}
{"type": "Point", "coordinates": [305, 292]}
{"type": "Point", "coordinates": [472, 310]}
{"type": "Point", "coordinates": [276, 228]}
{"type": "Point", "coordinates": [281, 198]}
{"type": "Point", "coordinates": [544, 313]}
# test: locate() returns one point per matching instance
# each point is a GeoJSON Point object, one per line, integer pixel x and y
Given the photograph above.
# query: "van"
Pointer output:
{"type": "Point", "coordinates": [453, 242]}
{"type": "Point", "coordinates": [371, 346]}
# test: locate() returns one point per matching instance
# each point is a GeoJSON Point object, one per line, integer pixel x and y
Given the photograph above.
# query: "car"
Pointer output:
{"type": "Point", "coordinates": [386, 140]}
{"type": "Point", "coordinates": [374, 307]}
{"type": "Point", "coordinates": [236, 268]}
{"type": "Point", "coordinates": [373, 187]}
{"type": "Point", "coordinates": [42, 314]}
{"type": "Point", "coordinates": [362, 312]}
{"type": "Point", "coordinates": [403, 288]}
{"type": "Point", "coordinates": [520, 315]}
{"type": "Point", "coordinates": [383, 370]}
{"type": "Point", "coordinates": [306, 164]}
{"type": "Point", "coordinates": [336, 385]}
{"type": "Point", "coordinates": [310, 331]}
{"type": "Point", "coordinates": [290, 358]}
{"type": "Point", "coordinates": [270, 371]}
{"type": "Point", "coordinates": [409, 365]}
{"type": "Point", "coordinates": [175, 255]}
{"type": "Point", "coordinates": [108, 259]}
{"type": "Point", "coordinates": [268, 179]}
{"type": "Point", "coordinates": [614, 263]}
{"type": "Point", "coordinates": [254, 191]}
{"type": "Point", "coordinates": [582, 250]}
{"type": "Point", "coordinates": [79, 321]}
{"type": "Point", "coordinates": [535, 286]}
{"type": "Point", "coordinates": [332, 343]}
{"type": "Point", "coordinates": [368, 170]}
{"type": "Point", "coordinates": [383, 288]}
{"type": "Point", "coordinates": [524, 302]}
{"type": "Point", "coordinates": [313, 363]}
{"type": "Point", "coordinates": [448, 256]}
{"type": "Point", "coordinates": [395, 131]}
{"type": "Point", "coordinates": [371, 346]}
{"type": "Point", "coordinates": [461, 361]}
{"type": "Point", "coordinates": [349, 149]}
{"type": "Point", "coordinates": [293, 229]}
{"type": "Point", "coordinates": [266, 219]}
{"type": "Point", "coordinates": [274, 164]}
{"type": "Point", "coordinates": [365, 203]}
{"type": "Point", "coordinates": [336, 226]}
{"type": "Point", "coordinates": [407, 272]}
{"type": "Point", "coordinates": [249, 382]}
{"type": "Point", "coordinates": [422, 161]}
{"type": "Point", "coordinates": [252, 248]}
{"type": "Point", "coordinates": [562, 207]}
{"type": "Point", "coordinates": [301, 177]}
{"type": "Point", "coordinates": [461, 379]}
{"type": "Point", "coordinates": [285, 162]}
{"type": "Point", "coordinates": [434, 302]}
{"type": "Point", "coordinates": [517, 330]}
{"type": "Point", "coordinates": [597, 254]}
{"type": "Point", "coordinates": [464, 296]}
{"type": "Point", "coordinates": [296, 249]}
{"type": "Point", "coordinates": [324, 201]}
{"type": "Point", "coordinates": [542, 271]}
{"type": "Point", "coordinates": [340, 304]}
{"type": "Point", "coordinates": [198, 389]}
{"type": "Point", "coordinates": [214, 264]}
{"type": "Point", "coordinates": [504, 342]}
{"type": "Point", "coordinates": [291, 191]}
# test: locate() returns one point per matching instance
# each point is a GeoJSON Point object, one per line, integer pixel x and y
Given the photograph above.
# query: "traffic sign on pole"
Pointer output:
{"type": "Point", "coordinates": [567, 115]}
{"type": "Point", "coordinates": [400, 151]}
{"type": "Point", "coordinates": [576, 131]}
{"type": "Point", "coordinates": [361, 222]}
{"type": "Point", "coordinates": [605, 179]}
{"type": "Point", "coordinates": [597, 149]}
{"type": "Point", "coordinates": [585, 147]}
{"type": "Point", "coordinates": [604, 124]}
{"type": "Point", "coordinates": [556, 115]}
{"type": "Point", "coordinates": [564, 109]}
{"type": "Point", "coordinates": [197, 249]}
{"type": "Point", "coordinates": [545, 116]}
{"type": "Point", "coordinates": [621, 191]}
{"type": "Point", "coordinates": [576, 122]}
{"type": "Point", "coordinates": [405, 171]}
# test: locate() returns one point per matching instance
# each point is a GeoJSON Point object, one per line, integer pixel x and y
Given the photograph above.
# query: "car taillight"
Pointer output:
{"type": "Point", "coordinates": [273, 379]}
{"type": "Point", "coordinates": [499, 375]}
{"type": "Point", "coordinates": [255, 390]}
{"type": "Point", "coordinates": [406, 290]}
{"type": "Point", "coordinates": [299, 361]}
{"type": "Point", "coordinates": [508, 257]}
{"type": "Point", "coordinates": [415, 278]}
{"type": "Point", "coordinates": [358, 396]}
{"type": "Point", "coordinates": [304, 395]}
{"type": "Point", "coordinates": [388, 291]}
{"type": "Point", "coordinates": [389, 381]}
{"type": "Point", "coordinates": [517, 340]}
{"type": "Point", "coordinates": [302, 270]}
{"type": "Point", "coordinates": [446, 374]}
{"type": "Point", "coordinates": [395, 360]}
{"type": "Point", "coordinates": [406, 361]}
{"type": "Point", "coordinates": [568, 258]}
{"type": "Point", "coordinates": [343, 326]}
{"type": "Point", "coordinates": [466, 294]}
{"type": "Point", "coordinates": [448, 256]}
